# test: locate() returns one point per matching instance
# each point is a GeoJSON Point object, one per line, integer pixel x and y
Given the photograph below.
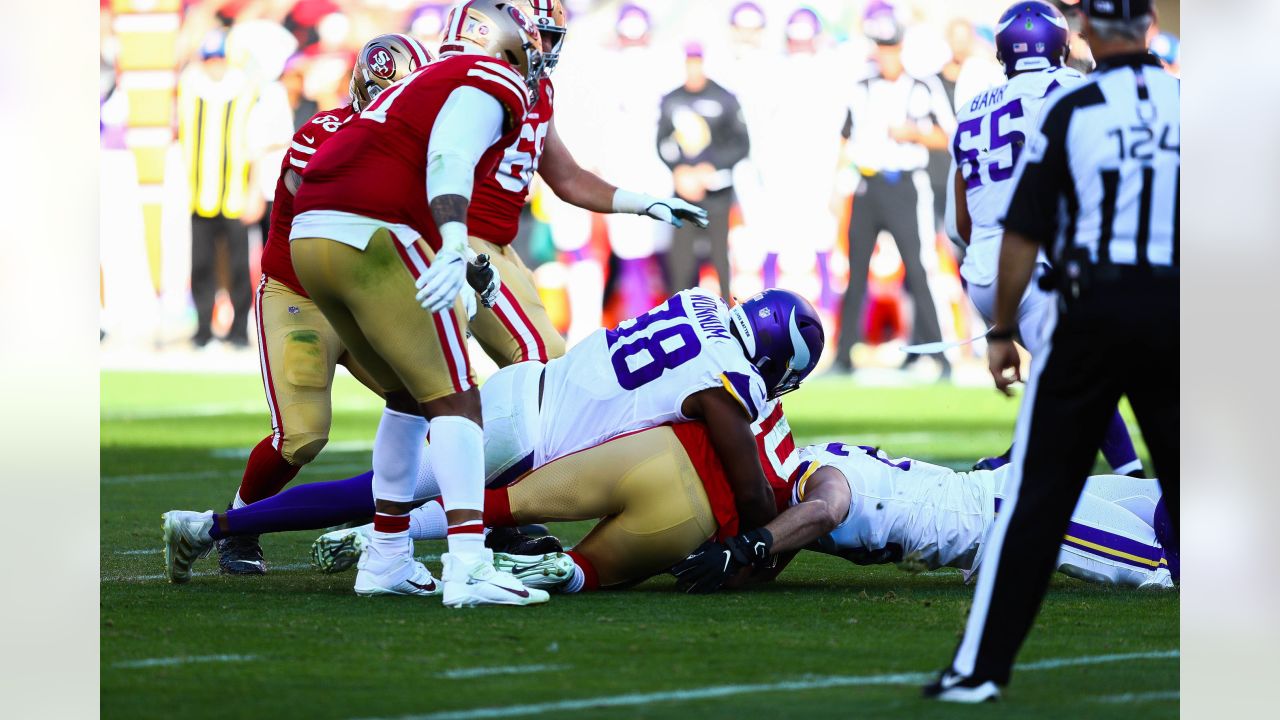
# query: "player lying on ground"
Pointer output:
{"type": "Point", "coordinates": [855, 502]}
{"type": "Point", "coordinates": [691, 357]}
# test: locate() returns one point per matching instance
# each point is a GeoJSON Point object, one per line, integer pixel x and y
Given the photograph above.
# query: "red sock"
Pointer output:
{"type": "Point", "coordinates": [497, 508]}
{"type": "Point", "coordinates": [588, 570]}
{"type": "Point", "coordinates": [266, 473]}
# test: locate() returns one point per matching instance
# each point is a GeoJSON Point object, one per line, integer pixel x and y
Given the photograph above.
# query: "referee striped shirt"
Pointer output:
{"type": "Point", "coordinates": [1100, 179]}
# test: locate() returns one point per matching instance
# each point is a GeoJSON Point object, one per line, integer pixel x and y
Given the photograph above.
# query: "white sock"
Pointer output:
{"type": "Point", "coordinates": [426, 485]}
{"type": "Point", "coordinates": [457, 459]}
{"type": "Point", "coordinates": [237, 503]}
{"type": "Point", "coordinates": [428, 522]}
{"type": "Point", "coordinates": [576, 582]}
{"type": "Point", "coordinates": [397, 452]}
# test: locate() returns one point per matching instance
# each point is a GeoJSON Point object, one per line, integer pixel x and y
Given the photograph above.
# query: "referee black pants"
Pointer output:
{"type": "Point", "coordinates": [207, 234]}
{"type": "Point", "coordinates": [692, 246]}
{"type": "Point", "coordinates": [1118, 339]}
{"type": "Point", "coordinates": [892, 206]}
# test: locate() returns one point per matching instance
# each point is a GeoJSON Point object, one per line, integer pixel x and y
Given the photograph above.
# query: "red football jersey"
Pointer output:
{"type": "Point", "coordinates": [494, 214]}
{"type": "Point", "coordinates": [276, 261]}
{"type": "Point", "coordinates": [377, 166]}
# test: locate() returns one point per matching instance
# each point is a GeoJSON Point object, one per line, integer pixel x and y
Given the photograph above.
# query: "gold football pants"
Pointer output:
{"type": "Point", "coordinates": [645, 488]}
{"type": "Point", "coordinates": [369, 297]}
{"type": "Point", "coordinates": [298, 351]}
{"type": "Point", "coordinates": [517, 328]}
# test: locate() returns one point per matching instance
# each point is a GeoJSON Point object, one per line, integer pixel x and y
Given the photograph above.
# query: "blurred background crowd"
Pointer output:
{"type": "Point", "coordinates": [814, 133]}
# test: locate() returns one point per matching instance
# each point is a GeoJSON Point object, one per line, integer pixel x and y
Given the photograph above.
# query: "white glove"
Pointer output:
{"type": "Point", "coordinates": [669, 210]}
{"type": "Point", "coordinates": [484, 279]}
{"type": "Point", "coordinates": [439, 286]}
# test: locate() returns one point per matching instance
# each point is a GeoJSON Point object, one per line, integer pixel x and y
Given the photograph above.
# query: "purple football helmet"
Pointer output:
{"type": "Point", "coordinates": [1031, 35]}
{"type": "Point", "coordinates": [781, 335]}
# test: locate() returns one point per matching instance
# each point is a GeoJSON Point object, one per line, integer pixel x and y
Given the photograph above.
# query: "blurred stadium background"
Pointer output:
{"type": "Point", "coordinates": [790, 65]}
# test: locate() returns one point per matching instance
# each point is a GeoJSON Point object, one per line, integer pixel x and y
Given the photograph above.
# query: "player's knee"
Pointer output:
{"type": "Point", "coordinates": [304, 448]}
{"type": "Point", "coordinates": [306, 362]}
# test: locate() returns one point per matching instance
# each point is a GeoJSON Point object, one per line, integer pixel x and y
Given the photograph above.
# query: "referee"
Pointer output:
{"type": "Point", "coordinates": [1106, 161]}
{"type": "Point", "coordinates": [892, 122]}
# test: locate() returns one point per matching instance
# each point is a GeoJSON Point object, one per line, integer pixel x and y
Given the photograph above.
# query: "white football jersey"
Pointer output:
{"type": "Point", "coordinates": [637, 375]}
{"type": "Point", "coordinates": [936, 515]}
{"type": "Point", "coordinates": [990, 133]}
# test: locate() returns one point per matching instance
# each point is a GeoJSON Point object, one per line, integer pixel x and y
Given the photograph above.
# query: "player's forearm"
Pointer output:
{"type": "Point", "coordinates": [1017, 261]}
{"type": "Point", "coordinates": [583, 189]}
{"type": "Point", "coordinates": [800, 525]}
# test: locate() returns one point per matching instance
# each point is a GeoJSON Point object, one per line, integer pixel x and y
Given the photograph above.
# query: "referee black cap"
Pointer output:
{"type": "Point", "coordinates": [1116, 9]}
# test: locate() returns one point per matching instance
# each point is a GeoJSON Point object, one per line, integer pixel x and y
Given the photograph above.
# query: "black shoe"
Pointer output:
{"type": "Point", "coordinates": [513, 542]}
{"type": "Point", "coordinates": [241, 555]}
{"type": "Point", "coordinates": [951, 687]}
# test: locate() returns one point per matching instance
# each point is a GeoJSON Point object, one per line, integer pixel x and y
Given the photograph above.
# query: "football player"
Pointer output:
{"type": "Point", "coordinates": [517, 327]}
{"type": "Point", "coordinates": [855, 502]}
{"type": "Point", "coordinates": [690, 358]}
{"type": "Point", "coordinates": [1031, 43]}
{"type": "Point", "coordinates": [297, 347]}
{"type": "Point", "coordinates": [369, 248]}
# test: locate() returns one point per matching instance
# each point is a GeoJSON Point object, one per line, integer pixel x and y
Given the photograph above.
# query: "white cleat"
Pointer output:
{"type": "Point", "coordinates": [404, 576]}
{"type": "Point", "coordinates": [544, 572]}
{"type": "Point", "coordinates": [1160, 579]}
{"type": "Point", "coordinates": [473, 581]}
{"type": "Point", "coordinates": [336, 551]}
{"type": "Point", "coordinates": [186, 540]}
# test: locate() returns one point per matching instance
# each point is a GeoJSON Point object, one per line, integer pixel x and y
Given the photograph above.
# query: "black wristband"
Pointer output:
{"type": "Point", "coordinates": [996, 334]}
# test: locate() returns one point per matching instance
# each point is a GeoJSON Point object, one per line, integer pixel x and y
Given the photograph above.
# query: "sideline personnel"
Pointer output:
{"type": "Point", "coordinates": [1107, 153]}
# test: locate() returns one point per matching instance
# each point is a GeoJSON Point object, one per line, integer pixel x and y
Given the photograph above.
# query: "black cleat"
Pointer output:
{"type": "Point", "coordinates": [241, 555]}
{"type": "Point", "coordinates": [513, 542]}
{"type": "Point", "coordinates": [952, 687]}
{"type": "Point", "coordinates": [994, 463]}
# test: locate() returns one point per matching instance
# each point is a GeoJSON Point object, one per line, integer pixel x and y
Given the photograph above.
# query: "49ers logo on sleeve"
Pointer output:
{"type": "Point", "coordinates": [381, 63]}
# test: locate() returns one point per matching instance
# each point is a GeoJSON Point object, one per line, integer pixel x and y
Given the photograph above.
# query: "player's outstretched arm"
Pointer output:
{"type": "Point", "coordinates": [824, 506]}
{"type": "Point", "coordinates": [579, 186]}
{"type": "Point", "coordinates": [730, 431]}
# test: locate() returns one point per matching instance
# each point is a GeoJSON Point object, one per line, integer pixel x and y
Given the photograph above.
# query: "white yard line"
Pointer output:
{"type": "Point", "coordinates": [183, 660]}
{"type": "Point", "coordinates": [464, 673]}
{"type": "Point", "coordinates": [144, 551]}
{"type": "Point", "coordinates": [204, 573]}
{"type": "Point", "coordinates": [717, 691]}
{"type": "Point", "coordinates": [1130, 698]}
{"type": "Point", "coordinates": [212, 474]}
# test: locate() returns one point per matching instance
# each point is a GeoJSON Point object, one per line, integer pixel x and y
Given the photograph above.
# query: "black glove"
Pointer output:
{"type": "Point", "coordinates": [484, 279]}
{"type": "Point", "coordinates": [713, 563]}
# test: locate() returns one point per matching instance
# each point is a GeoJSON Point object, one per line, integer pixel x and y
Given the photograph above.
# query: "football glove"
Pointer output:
{"type": "Point", "coordinates": [670, 210]}
{"type": "Point", "coordinates": [439, 286]}
{"type": "Point", "coordinates": [484, 279]}
{"type": "Point", "coordinates": [675, 211]}
{"type": "Point", "coordinates": [707, 569]}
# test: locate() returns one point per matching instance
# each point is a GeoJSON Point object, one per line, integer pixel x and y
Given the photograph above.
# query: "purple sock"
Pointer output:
{"type": "Point", "coordinates": [1117, 448]}
{"type": "Point", "coordinates": [302, 507]}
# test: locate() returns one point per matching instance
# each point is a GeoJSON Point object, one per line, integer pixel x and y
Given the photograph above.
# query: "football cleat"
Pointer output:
{"type": "Point", "coordinates": [545, 572]}
{"type": "Point", "coordinates": [514, 542]}
{"type": "Point", "coordinates": [1160, 579]}
{"type": "Point", "coordinates": [405, 576]}
{"type": "Point", "coordinates": [956, 688]}
{"type": "Point", "coordinates": [994, 463]}
{"type": "Point", "coordinates": [338, 550]}
{"type": "Point", "coordinates": [240, 555]}
{"type": "Point", "coordinates": [473, 581]}
{"type": "Point", "coordinates": [186, 540]}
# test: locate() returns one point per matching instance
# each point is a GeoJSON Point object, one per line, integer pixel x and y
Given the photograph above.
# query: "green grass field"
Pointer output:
{"type": "Point", "coordinates": [828, 639]}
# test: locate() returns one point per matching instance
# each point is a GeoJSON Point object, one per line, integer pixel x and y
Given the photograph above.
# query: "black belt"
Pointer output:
{"type": "Point", "coordinates": [1073, 277]}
